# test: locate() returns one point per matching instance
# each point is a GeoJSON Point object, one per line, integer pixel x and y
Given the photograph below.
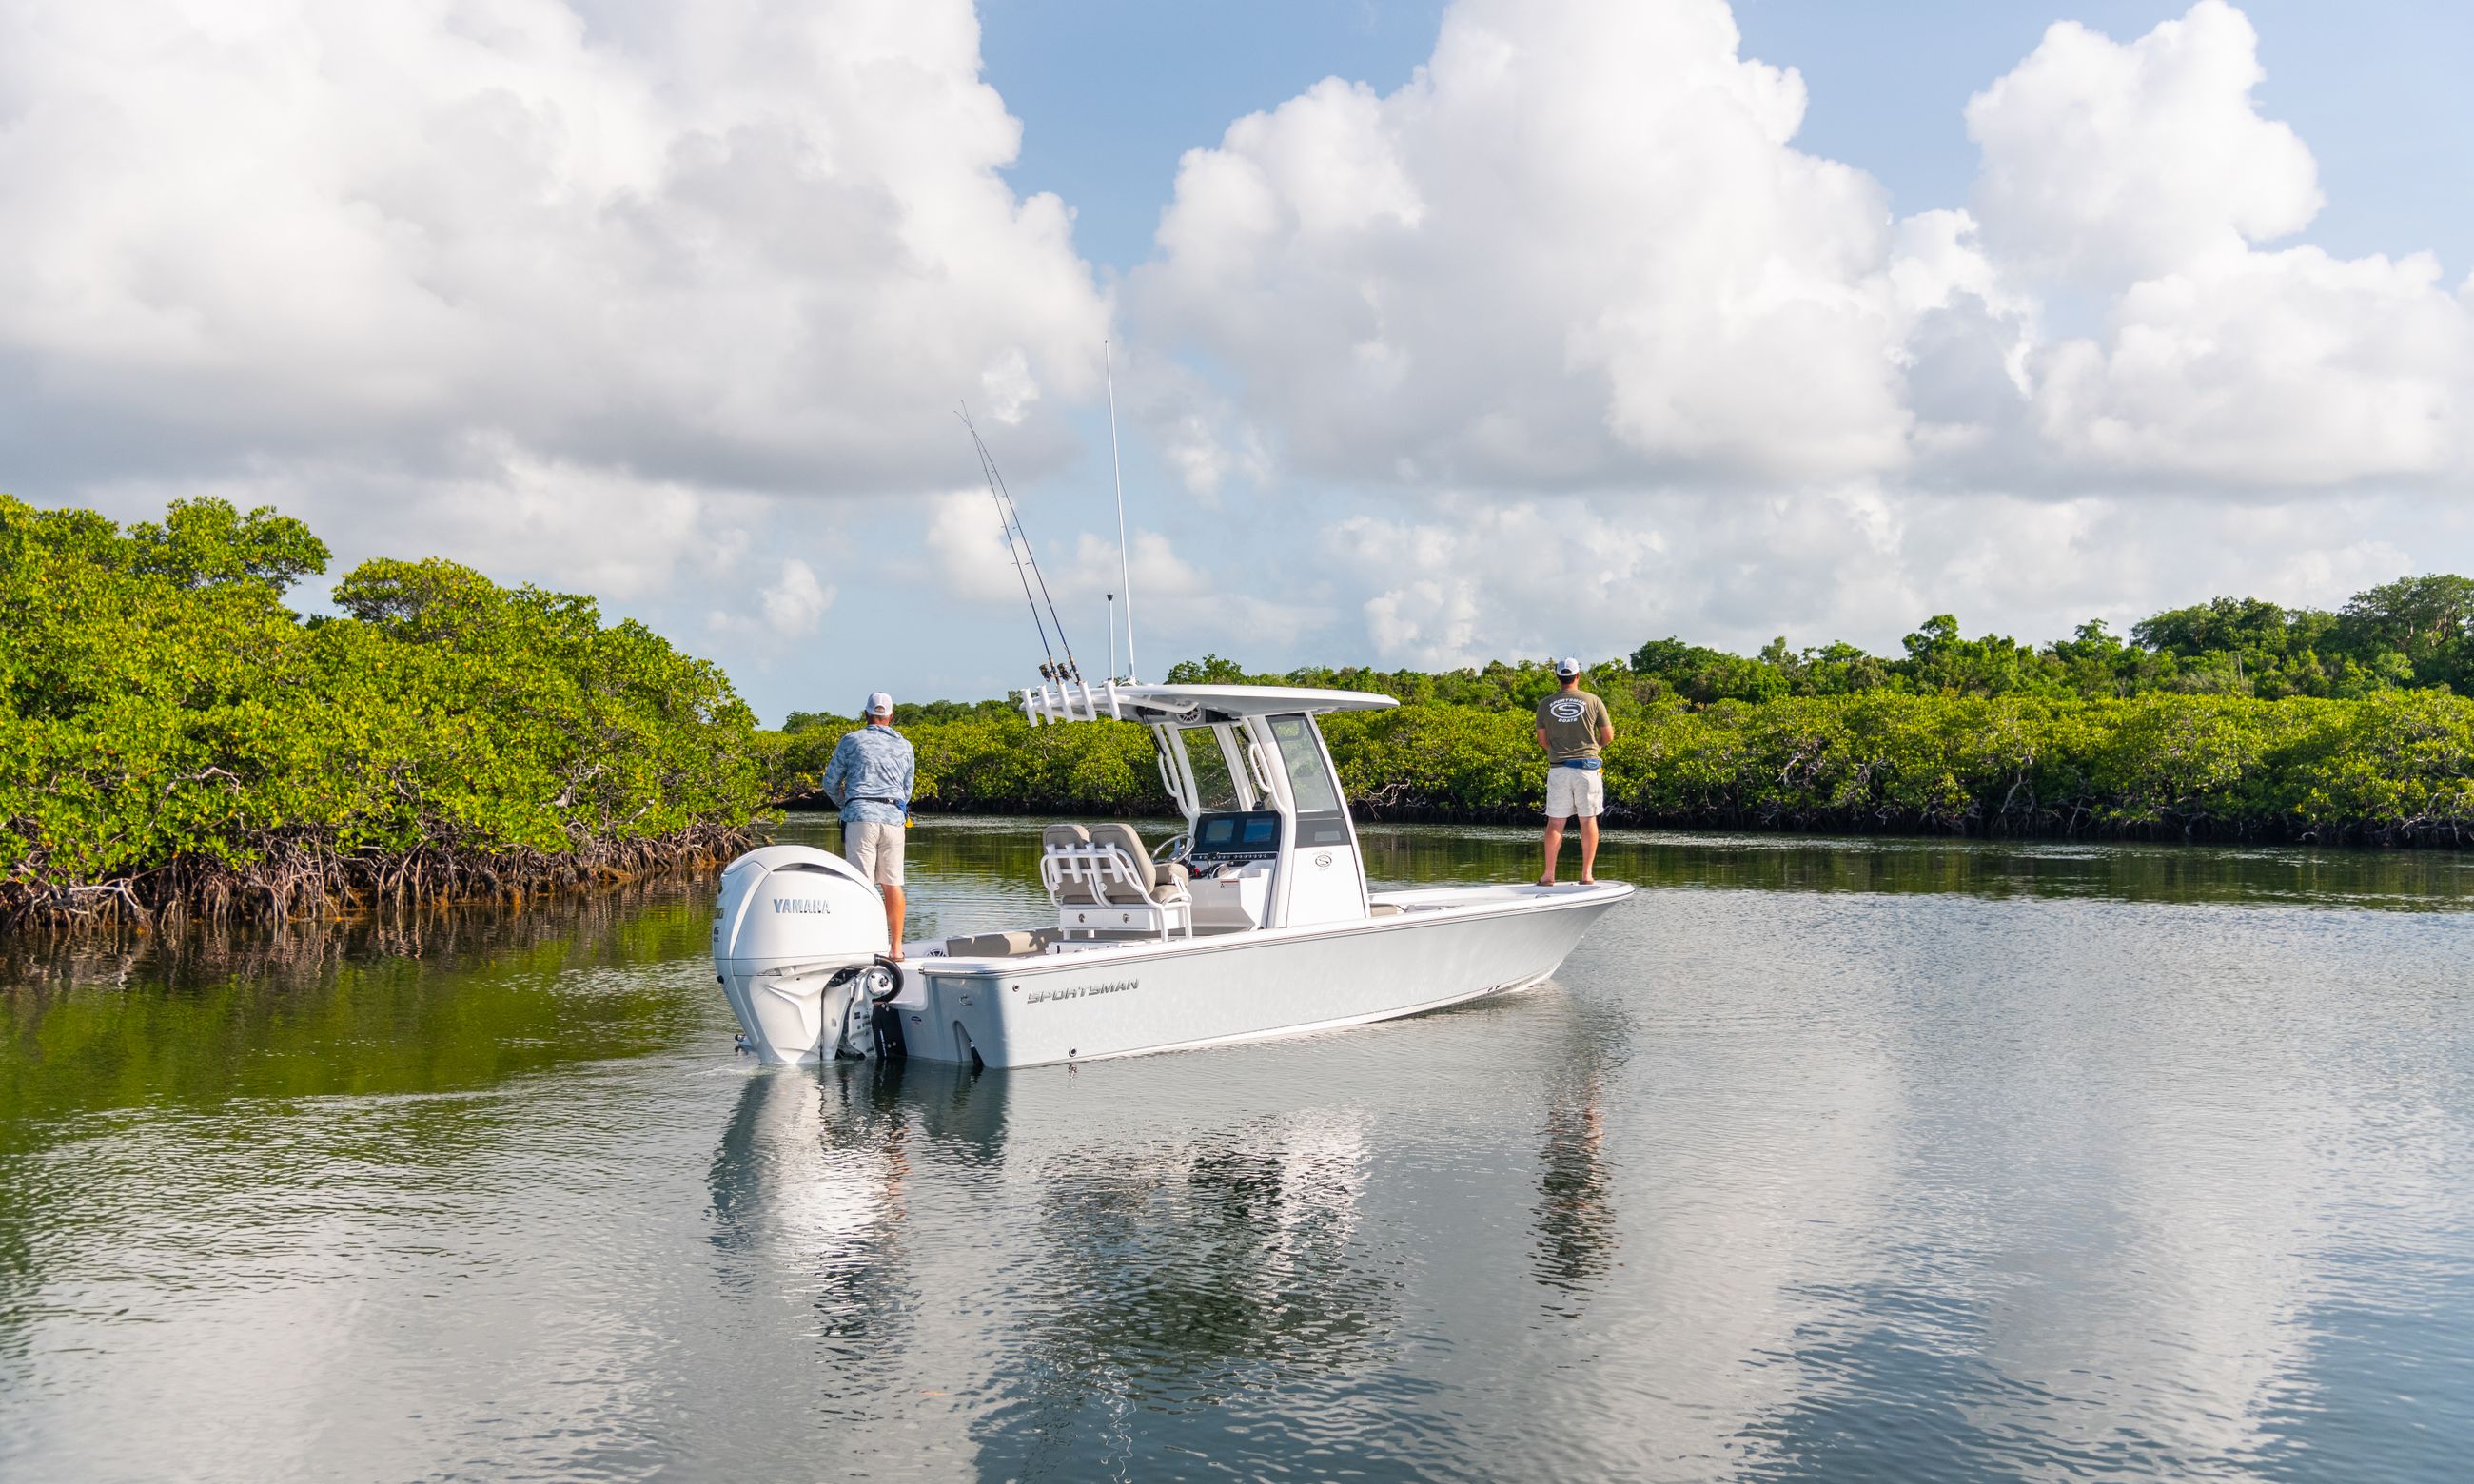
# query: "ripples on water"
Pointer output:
{"type": "Point", "coordinates": [1844, 1159]}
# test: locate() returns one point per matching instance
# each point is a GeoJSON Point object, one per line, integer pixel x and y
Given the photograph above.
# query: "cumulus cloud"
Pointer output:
{"type": "Point", "coordinates": [1473, 578]}
{"type": "Point", "coordinates": [1465, 579]}
{"type": "Point", "coordinates": [1476, 580]}
{"type": "Point", "coordinates": [2120, 161]}
{"type": "Point", "coordinates": [796, 602]}
{"type": "Point", "coordinates": [1580, 250]}
{"type": "Point", "coordinates": [2145, 169]}
{"type": "Point", "coordinates": [492, 505]}
{"type": "Point", "coordinates": [2268, 368]}
{"type": "Point", "coordinates": [1181, 606]}
{"type": "Point", "coordinates": [1578, 245]}
{"type": "Point", "coordinates": [760, 246]}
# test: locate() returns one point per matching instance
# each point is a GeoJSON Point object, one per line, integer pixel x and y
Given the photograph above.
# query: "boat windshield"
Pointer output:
{"type": "Point", "coordinates": [1310, 781]}
{"type": "Point", "coordinates": [1214, 790]}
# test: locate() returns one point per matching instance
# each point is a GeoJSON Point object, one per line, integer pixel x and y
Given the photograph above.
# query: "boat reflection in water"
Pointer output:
{"type": "Point", "coordinates": [1152, 1259]}
{"type": "Point", "coordinates": [812, 1179]}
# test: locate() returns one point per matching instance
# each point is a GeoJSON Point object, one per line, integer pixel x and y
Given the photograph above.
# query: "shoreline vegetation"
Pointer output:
{"type": "Point", "coordinates": [180, 745]}
{"type": "Point", "coordinates": [2234, 720]}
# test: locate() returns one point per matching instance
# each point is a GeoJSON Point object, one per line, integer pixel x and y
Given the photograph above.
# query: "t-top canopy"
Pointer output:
{"type": "Point", "coordinates": [1076, 702]}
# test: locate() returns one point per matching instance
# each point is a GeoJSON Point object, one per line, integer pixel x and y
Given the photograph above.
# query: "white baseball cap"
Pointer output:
{"type": "Point", "coordinates": [879, 703]}
{"type": "Point", "coordinates": [1567, 667]}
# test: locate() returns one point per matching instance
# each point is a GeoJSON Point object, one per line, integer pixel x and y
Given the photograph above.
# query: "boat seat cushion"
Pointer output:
{"type": "Point", "coordinates": [1131, 844]}
{"type": "Point", "coordinates": [1018, 944]}
{"type": "Point", "coordinates": [1171, 885]}
{"type": "Point", "coordinates": [1066, 837]}
{"type": "Point", "coordinates": [1151, 880]}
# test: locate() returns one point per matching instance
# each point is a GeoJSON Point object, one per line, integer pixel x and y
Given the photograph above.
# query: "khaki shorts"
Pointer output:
{"type": "Point", "coordinates": [1570, 791]}
{"type": "Point", "coordinates": [875, 850]}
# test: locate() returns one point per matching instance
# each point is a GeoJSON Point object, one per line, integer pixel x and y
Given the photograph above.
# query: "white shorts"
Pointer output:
{"type": "Point", "coordinates": [875, 850]}
{"type": "Point", "coordinates": [1570, 791]}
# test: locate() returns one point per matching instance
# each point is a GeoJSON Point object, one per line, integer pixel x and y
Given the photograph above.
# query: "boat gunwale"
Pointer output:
{"type": "Point", "coordinates": [1118, 952]}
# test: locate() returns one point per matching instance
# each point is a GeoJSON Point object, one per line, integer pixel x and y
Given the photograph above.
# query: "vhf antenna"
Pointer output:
{"type": "Point", "coordinates": [1010, 519]}
{"type": "Point", "coordinates": [1125, 576]}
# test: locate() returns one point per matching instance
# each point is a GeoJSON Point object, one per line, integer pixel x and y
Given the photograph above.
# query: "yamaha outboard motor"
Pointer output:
{"type": "Point", "coordinates": [799, 944]}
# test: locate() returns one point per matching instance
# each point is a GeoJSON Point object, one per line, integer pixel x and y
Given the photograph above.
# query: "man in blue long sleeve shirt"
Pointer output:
{"type": "Point", "coordinates": [869, 779]}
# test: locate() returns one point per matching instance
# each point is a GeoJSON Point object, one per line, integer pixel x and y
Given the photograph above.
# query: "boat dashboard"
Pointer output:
{"type": "Point", "coordinates": [1239, 837]}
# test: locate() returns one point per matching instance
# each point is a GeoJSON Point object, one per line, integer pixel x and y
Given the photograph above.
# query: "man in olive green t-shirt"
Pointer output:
{"type": "Point", "coordinates": [1572, 726]}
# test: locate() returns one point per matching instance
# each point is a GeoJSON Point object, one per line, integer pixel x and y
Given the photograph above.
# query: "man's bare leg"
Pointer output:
{"type": "Point", "coordinates": [1589, 850]}
{"type": "Point", "coordinates": [894, 919]}
{"type": "Point", "coordinates": [1554, 847]}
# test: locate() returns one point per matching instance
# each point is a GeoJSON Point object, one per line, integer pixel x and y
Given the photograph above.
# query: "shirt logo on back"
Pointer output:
{"type": "Point", "coordinates": [1567, 708]}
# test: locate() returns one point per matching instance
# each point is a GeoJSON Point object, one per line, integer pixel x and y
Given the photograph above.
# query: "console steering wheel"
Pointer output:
{"type": "Point", "coordinates": [1172, 849]}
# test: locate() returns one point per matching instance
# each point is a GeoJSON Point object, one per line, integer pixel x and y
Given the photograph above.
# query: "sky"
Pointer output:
{"type": "Point", "coordinates": [1439, 332]}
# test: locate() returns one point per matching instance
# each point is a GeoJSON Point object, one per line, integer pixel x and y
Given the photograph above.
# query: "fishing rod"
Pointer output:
{"type": "Point", "coordinates": [1072, 664]}
{"type": "Point", "coordinates": [1072, 669]}
{"type": "Point", "coordinates": [988, 473]}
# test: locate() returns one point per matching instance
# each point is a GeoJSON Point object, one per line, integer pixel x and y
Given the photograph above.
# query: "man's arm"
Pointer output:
{"type": "Point", "coordinates": [837, 773]}
{"type": "Point", "coordinates": [1606, 726]}
{"type": "Point", "coordinates": [1541, 740]}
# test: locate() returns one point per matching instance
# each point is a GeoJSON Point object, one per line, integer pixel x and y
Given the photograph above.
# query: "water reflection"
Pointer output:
{"type": "Point", "coordinates": [1576, 1212]}
{"type": "Point", "coordinates": [1177, 1272]}
{"type": "Point", "coordinates": [422, 1002]}
{"type": "Point", "coordinates": [1577, 1230]}
{"type": "Point", "coordinates": [1923, 1159]}
{"type": "Point", "coordinates": [812, 1179]}
{"type": "Point", "coordinates": [2399, 880]}
{"type": "Point", "coordinates": [1155, 1270]}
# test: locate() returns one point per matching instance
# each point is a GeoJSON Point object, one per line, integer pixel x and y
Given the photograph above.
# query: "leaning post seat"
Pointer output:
{"type": "Point", "coordinates": [1153, 881]}
{"type": "Point", "coordinates": [1059, 841]}
{"type": "Point", "coordinates": [1107, 867]}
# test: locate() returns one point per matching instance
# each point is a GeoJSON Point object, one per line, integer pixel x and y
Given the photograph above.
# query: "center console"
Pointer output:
{"type": "Point", "coordinates": [1232, 857]}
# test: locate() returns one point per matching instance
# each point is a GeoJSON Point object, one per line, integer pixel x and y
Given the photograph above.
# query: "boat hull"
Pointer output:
{"type": "Point", "coordinates": [1449, 946]}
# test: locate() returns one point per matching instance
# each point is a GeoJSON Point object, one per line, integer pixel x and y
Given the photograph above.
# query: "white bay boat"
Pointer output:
{"type": "Point", "coordinates": [1256, 922]}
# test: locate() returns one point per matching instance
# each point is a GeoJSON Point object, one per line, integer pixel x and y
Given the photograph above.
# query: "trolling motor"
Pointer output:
{"type": "Point", "coordinates": [799, 943]}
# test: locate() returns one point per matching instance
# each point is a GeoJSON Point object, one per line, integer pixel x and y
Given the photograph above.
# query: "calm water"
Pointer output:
{"type": "Point", "coordinates": [1821, 1159]}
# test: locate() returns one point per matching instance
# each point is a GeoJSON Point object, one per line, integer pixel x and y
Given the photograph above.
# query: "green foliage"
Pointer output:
{"type": "Point", "coordinates": [2395, 768]}
{"type": "Point", "coordinates": [2236, 718]}
{"type": "Point", "coordinates": [2426, 621]}
{"type": "Point", "coordinates": [171, 729]}
{"type": "Point", "coordinates": [1706, 675]}
{"type": "Point", "coordinates": [204, 542]}
{"type": "Point", "coordinates": [2416, 633]}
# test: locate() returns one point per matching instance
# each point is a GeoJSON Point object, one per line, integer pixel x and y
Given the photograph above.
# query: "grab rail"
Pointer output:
{"type": "Point", "coordinates": [1101, 869]}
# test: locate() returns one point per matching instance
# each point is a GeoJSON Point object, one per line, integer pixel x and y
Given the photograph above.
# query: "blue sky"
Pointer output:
{"type": "Point", "coordinates": [1110, 94]}
{"type": "Point", "coordinates": [1554, 345]}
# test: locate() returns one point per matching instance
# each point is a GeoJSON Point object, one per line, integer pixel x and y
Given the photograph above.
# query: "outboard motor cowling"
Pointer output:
{"type": "Point", "coordinates": [793, 936]}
